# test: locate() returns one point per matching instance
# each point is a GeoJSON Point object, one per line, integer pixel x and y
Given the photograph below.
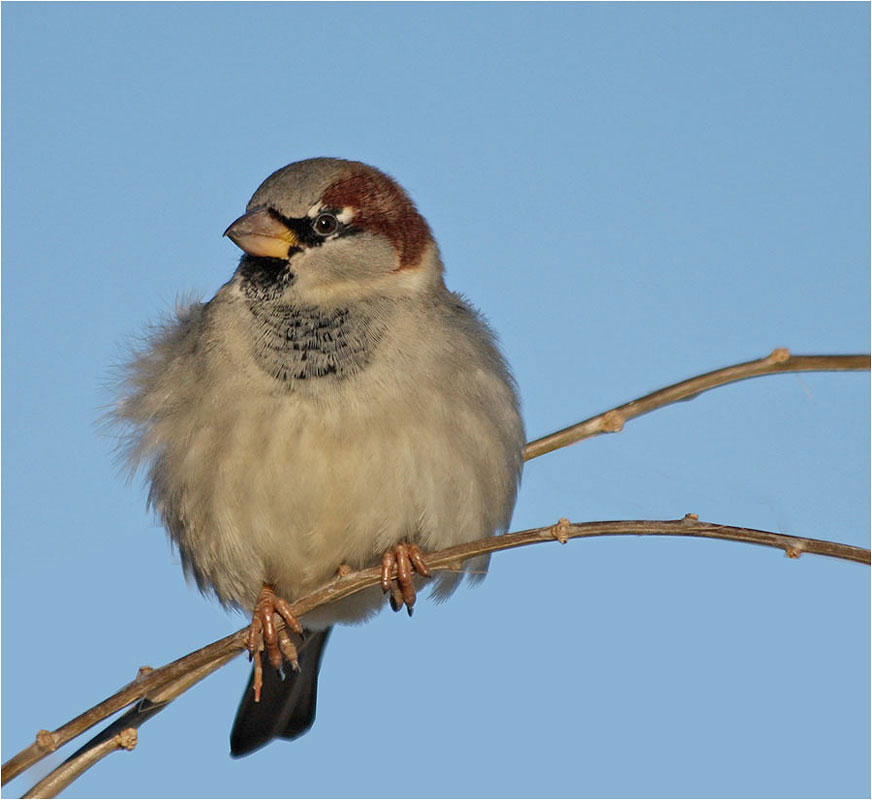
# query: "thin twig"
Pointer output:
{"type": "Point", "coordinates": [157, 684]}
{"type": "Point", "coordinates": [122, 731]}
{"type": "Point", "coordinates": [612, 421]}
{"type": "Point", "coordinates": [162, 685]}
{"type": "Point", "coordinates": [63, 776]}
{"type": "Point", "coordinates": [153, 683]}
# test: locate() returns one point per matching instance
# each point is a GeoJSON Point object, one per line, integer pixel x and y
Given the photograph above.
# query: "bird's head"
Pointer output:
{"type": "Point", "coordinates": [327, 230]}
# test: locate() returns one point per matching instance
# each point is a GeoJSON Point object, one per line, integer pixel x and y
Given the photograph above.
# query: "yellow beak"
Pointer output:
{"type": "Point", "coordinates": [259, 233]}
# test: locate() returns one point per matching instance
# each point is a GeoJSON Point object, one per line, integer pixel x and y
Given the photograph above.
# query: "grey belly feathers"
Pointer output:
{"type": "Point", "coordinates": [282, 441]}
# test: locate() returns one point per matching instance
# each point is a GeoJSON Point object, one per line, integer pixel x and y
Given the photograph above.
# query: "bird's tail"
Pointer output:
{"type": "Point", "coordinates": [287, 705]}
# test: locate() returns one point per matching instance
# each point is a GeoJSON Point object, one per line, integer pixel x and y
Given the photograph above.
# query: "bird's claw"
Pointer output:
{"type": "Point", "coordinates": [262, 635]}
{"type": "Point", "coordinates": [405, 559]}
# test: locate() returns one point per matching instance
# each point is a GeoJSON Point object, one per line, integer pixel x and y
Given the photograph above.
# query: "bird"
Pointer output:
{"type": "Point", "coordinates": [334, 405]}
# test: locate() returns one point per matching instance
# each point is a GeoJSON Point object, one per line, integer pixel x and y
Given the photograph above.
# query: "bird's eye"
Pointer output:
{"type": "Point", "coordinates": [325, 224]}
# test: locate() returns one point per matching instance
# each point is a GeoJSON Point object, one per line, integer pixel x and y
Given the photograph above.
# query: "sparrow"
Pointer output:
{"type": "Point", "coordinates": [333, 405]}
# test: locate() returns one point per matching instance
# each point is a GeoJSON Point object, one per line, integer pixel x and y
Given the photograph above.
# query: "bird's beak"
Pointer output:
{"type": "Point", "coordinates": [260, 233]}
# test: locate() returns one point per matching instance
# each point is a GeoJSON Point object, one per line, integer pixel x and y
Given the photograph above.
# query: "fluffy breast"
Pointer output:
{"type": "Point", "coordinates": [260, 482]}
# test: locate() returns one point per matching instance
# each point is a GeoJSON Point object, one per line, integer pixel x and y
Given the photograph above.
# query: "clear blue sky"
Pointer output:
{"type": "Point", "coordinates": [633, 194]}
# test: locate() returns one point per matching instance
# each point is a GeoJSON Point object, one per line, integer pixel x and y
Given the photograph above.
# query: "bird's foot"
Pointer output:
{"type": "Point", "coordinates": [405, 558]}
{"type": "Point", "coordinates": [262, 634]}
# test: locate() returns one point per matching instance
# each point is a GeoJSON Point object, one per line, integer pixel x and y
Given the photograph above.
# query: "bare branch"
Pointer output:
{"type": "Point", "coordinates": [158, 687]}
{"type": "Point", "coordinates": [612, 421]}
{"type": "Point", "coordinates": [63, 776]}
{"type": "Point", "coordinates": [162, 685]}
{"type": "Point", "coordinates": [150, 685]}
{"type": "Point", "coordinates": [122, 731]}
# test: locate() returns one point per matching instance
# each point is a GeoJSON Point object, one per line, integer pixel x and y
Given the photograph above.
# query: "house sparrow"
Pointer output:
{"type": "Point", "coordinates": [333, 404]}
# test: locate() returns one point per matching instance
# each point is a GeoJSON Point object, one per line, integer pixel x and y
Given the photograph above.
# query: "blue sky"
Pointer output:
{"type": "Point", "coordinates": [633, 194]}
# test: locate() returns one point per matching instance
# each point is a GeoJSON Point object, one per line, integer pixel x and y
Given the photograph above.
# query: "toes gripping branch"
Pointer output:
{"type": "Point", "coordinates": [262, 635]}
{"type": "Point", "coordinates": [398, 565]}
